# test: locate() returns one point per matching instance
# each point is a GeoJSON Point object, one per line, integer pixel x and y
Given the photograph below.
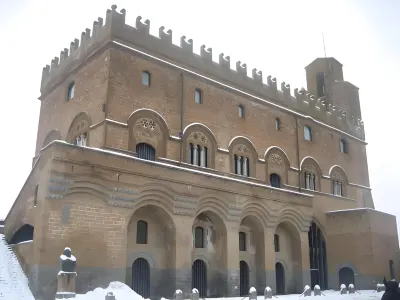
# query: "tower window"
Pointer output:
{"type": "Point", "coordinates": [198, 155]}
{"type": "Point", "coordinates": [146, 78]}
{"type": "Point", "coordinates": [146, 151]}
{"type": "Point", "coordinates": [307, 133]}
{"type": "Point", "coordinates": [320, 84]}
{"type": "Point", "coordinates": [275, 180]}
{"type": "Point", "coordinates": [277, 124]}
{"type": "Point", "coordinates": [241, 111]}
{"type": "Point", "coordinates": [71, 91]}
{"type": "Point", "coordinates": [276, 242]}
{"type": "Point", "coordinates": [242, 165]}
{"type": "Point", "coordinates": [242, 241]}
{"type": "Point", "coordinates": [343, 146]}
{"type": "Point", "coordinates": [141, 232]}
{"type": "Point", "coordinates": [198, 96]}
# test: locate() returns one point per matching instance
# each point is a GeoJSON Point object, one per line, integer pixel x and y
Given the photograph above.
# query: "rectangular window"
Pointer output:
{"type": "Point", "coordinates": [146, 78]}
{"type": "Point", "coordinates": [337, 188]}
{"type": "Point", "coordinates": [241, 111]}
{"type": "Point", "coordinates": [242, 241]}
{"type": "Point", "coordinates": [197, 96]}
{"type": "Point", "coordinates": [276, 242]}
{"type": "Point", "coordinates": [141, 232]}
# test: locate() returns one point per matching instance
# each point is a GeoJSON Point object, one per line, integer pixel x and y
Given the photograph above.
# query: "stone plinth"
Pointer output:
{"type": "Point", "coordinates": [66, 285]}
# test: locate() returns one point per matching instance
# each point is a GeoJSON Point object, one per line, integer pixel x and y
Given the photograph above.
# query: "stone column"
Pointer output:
{"type": "Point", "coordinates": [232, 256]}
{"type": "Point", "coordinates": [269, 258]}
{"type": "Point", "coordinates": [183, 253]}
{"type": "Point", "coordinates": [305, 259]}
{"type": "Point", "coordinates": [195, 155]}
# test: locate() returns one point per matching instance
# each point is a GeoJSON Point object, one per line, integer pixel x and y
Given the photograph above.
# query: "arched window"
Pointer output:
{"type": "Point", "coordinates": [71, 91]}
{"type": "Point", "coordinates": [242, 165]}
{"type": "Point", "coordinates": [141, 232]}
{"type": "Point", "coordinates": [198, 155]}
{"type": "Point", "coordinates": [275, 180]}
{"type": "Point", "coordinates": [337, 188]}
{"type": "Point", "coordinates": [145, 151]}
{"type": "Point", "coordinates": [277, 124]}
{"type": "Point", "coordinates": [343, 146]}
{"type": "Point", "coordinates": [307, 133]}
{"type": "Point", "coordinates": [198, 96]}
{"type": "Point", "coordinates": [309, 181]}
{"type": "Point", "coordinates": [276, 242]}
{"type": "Point", "coordinates": [23, 234]}
{"type": "Point", "coordinates": [146, 78]}
{"type": "Point", "coordinates": [199, 237]}
{"type": "Point", "coordinates": [242, 241]}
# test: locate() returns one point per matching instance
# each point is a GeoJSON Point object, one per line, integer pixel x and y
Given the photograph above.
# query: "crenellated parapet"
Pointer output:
{"type": "Point", "coordinates": [115, 30]}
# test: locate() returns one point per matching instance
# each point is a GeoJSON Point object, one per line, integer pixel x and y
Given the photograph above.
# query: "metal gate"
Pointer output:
{"type": "Point", "coordinates": [318, 261]}
{"type": "Point", "coordinates": [244, 278]}
{"type": "Point", "coordinates": [199, 277]}
{"type": "Point", "coordinates": [141, 277]}
{"type": "Point", "coordinates": [346, 276]}
{"type": "Point", "coordinates": [280, 279]}
{"type": "Point", "coordinates": [145, 151]}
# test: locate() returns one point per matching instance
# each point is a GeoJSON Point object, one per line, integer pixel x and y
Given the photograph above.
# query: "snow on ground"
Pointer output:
{"type": "Point", "coordinates": [13, 281]}
{"type": "Point", "coordinates": [123, 292]}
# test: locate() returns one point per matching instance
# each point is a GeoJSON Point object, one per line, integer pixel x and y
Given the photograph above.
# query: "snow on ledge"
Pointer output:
{"type": "Point", "coordinates": [252, 290]}
{"type": "Point", "coordinates": [21, 243]}
{"type": "Point", "coordinates": [356, 209]}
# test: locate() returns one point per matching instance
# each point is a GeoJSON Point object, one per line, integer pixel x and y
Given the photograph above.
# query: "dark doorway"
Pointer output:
{"type": "Point", "coordinates": [318, 262]}
{"type": "Point", "coordinates": [244, 278]}
{"type": "Point", "coordinates": [23, 234]}
{"type": "Point", "coordinates": [346, 276]}
{"type": "Point", "coordinates": [145, 151]}
{"type": "Point", "coordinates": [280, 279]}
{"type": "Point", "coordinates": [391, 269]}
{"type": "Point", "coordinates": [199, 277]}
{"type": "Point", "coordinates": [141, 277]}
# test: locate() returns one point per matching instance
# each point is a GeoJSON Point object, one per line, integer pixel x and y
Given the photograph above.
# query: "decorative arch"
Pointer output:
{"type": "Point", "coordinates": [147, 256]}
{"type": "Point", "coordinates": [148, 127]}
{"type": "Point", "coordinates": [310, 174]}
{"type": "Point", "coordinates": [243, 156]}
{"type": "Point", "coordinates": [51, 136]}
{"type": "Point", "coordinates": [278, 163]}
{"type": "Point", "coordinates": [214, 203]}
{"type": "Point", "coordinates": [78, 132]}
{"type": "Point", "coordinates": [339, 181]}
{"type": "Point", "coordinates": [199, 146]}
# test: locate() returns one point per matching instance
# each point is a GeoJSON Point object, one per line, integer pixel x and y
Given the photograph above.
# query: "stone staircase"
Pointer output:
{"type": "Point", "coordinates": [13, 281]}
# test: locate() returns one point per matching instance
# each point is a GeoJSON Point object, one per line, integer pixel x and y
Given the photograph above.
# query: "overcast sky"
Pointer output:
{"type": "Point", "coordinates": [279, 37]}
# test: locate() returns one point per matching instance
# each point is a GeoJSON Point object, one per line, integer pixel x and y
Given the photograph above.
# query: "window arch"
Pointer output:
{"type": "Point", "coordinates": [146, 151]}
{"type": "Point", "coordinates": [23, 234]}
{"type": "Point", "coordinates": [275, 180]}
{"type": "Point", "coordinates": [71, 91]}
{"type": "Point", "coordinates": [242, 241]}
{"type": "Point", "coordinates": [307, 133]}
{"type": "Point", "coordinates": [149, 127]}
{"type": "Point", "coordinates": [51, 136]}
{"type": "Point", "coordinates": [342, 146]}
{"type": "Point", "coordinates": [339, 181]}
{"type": "Point", "coordinates": [310, 174]}
{"type": "Point", "coordinates": [79, 130]}
{"type": "Point", "coordinates": [199, 146]}
{"type": "Point", "coordinates": [199, 237]}
{"type": "Point", "coordinates": [141, 232]}
{"type": "Point", "coordinates": [276, 162]}
{"type": "Point", "coordinates": [243, 157]}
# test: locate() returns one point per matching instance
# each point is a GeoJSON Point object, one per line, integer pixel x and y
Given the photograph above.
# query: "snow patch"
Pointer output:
{"type": "Point", "coordinates": [120, 290]}
{"type": "Point", "coordinates": [351, 286]}
{"type": "Point", "coordinates": [268, 289]}
{"type": "Point", "coordinates": [252, 289]}
{"type": "Point", "coordinates": [195, 291]}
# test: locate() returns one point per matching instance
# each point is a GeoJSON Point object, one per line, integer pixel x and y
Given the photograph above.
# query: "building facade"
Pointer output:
{"type": "Point", "coordinates": [166, 170]}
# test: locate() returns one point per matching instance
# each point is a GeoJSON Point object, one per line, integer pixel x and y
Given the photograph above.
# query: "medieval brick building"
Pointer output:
{"type": "Point", "coordinates": [163, 169]}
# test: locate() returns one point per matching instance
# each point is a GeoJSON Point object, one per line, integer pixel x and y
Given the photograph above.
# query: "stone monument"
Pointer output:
{"type": "Point", "coordinates": [67, 275]}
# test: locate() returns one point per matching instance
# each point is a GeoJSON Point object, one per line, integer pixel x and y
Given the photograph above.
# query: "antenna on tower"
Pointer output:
{"type": "Point", "coordinates": [323, 42]}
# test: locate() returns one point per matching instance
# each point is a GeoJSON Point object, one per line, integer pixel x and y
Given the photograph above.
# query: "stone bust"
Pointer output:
{"type": "Point", "coordinates": [67, 261]}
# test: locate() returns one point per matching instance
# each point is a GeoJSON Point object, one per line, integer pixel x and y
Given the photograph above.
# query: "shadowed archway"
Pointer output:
{"type": "Point", "coordinates": [141, 277]}
{"type": "Point", "coordinates": [346, 276]}
{"type": "Point", "coordinates": [244, 278]}
{"type": "Point", "coordinates": [280, 279]}
{"type": "Point", "coordinates": [199, 277]}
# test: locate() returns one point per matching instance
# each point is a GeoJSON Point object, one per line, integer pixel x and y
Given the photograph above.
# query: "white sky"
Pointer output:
{"type": "Point", "coordinates": [279, 37]}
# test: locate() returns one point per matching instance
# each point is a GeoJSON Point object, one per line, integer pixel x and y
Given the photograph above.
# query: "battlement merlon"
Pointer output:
{"type": "Point", "coordinates": [161, 46]}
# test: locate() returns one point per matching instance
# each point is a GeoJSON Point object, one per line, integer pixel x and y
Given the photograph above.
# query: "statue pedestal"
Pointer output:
{"type": "Point", "coordinates": [66, 285]}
